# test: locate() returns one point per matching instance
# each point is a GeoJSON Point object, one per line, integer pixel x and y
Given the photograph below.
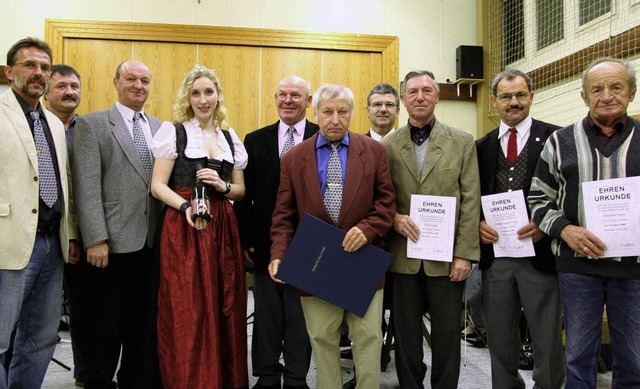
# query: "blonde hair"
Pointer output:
{"type": "Point", "coordinates": [182, 110]}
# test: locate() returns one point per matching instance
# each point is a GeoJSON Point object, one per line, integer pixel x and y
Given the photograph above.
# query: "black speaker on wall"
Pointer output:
{"type": "Point", "coordinates": [469, 62]}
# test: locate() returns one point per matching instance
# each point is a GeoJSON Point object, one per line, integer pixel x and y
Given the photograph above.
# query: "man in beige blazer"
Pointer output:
{"type": "Point", "coordinates": [36, 217]}
{"type": "Point", "coordinates": [429, 157]}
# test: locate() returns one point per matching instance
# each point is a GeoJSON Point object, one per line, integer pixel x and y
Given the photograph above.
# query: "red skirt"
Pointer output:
{"type": "Point", "coordinates": [202, 301]}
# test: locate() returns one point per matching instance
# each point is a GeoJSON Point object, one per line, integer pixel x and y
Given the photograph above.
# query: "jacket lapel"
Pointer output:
{"type": "Point", "coordinates": [21, 126]}
{"type": "Point", "coordinates": [355, 171]}
{"type": "Point", "coordinates": [122, 135]}
{"type": "Point", "coordinates": [272, 147]}
{"type": "Point", "coordinates": [407, 154]}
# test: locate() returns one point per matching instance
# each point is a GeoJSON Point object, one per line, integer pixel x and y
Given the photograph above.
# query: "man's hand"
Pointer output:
{"type": "Point", "coordinates": [354, 240]}
{"type": "Point", "coordinates": [487, 234]}
{"type": "Point", "coordinates": [583, 241]}
{"type": "Point", "coordinates": [460, 269]}
{"type": "Point", "coordinates": [74, 251]}
{"type": "Point", "coordinates": [98, 254]}
{"type": "Point", "coordinates": [405, 226]}
{"type": "Point", "coordinates": [530, 231]}
{"type": "Point", "coordinates": [247, 256]}
{"type": "Point", "coordinates": [273, 270]}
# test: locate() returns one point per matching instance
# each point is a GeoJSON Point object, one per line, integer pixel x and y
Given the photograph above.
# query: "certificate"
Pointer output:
{"type": "Point", "coordinates": [436, 219]}
{"type": "Point", "coordinates": [507, 213]}
{"type": "Point", "coordinates": [612, 213]}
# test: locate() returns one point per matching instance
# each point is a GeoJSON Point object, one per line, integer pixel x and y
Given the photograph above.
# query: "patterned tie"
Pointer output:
{"type": "Point", "coordinates": [288, 143]}
{"type": "Point", "coordinates": [512, 146]}
{"type": "Point", "coordinates": [46, 171]}
{"type": "Point", "coordinates": [333, 193]}
{"type": "Point", "coordinates": [141, 144]}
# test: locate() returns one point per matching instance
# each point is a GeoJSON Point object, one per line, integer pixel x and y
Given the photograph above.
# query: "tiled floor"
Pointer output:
{"type": "Point", "coordinates": [475, 370]}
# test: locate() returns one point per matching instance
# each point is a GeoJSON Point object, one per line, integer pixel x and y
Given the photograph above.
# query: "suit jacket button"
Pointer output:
{"type": "Point", "coordinates": [34, 211]}
{"type": "Point", "coordinates": [402, 151]}
{"type": "Point", "coordinates": [439, 151]}
{"type": "Point", "coordinates": [35, 178]}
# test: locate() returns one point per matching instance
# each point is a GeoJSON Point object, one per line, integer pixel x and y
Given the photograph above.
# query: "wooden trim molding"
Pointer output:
{"type": "Point", "coordinates": [3, 78]}
{"type": "Point", "coordinates": [56, 30]}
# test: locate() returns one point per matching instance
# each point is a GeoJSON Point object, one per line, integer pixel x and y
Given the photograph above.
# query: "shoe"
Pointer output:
{"type": "Point", "coordinates": [351, 384]}
{"type": "Point", "coordinates": [526, 357]}
{"type": "Point", "coordinates": [478, 341]}
{"type": "Point", "coordinates": [346, 354]}
{"type": "Point", "coordinates": [79, 383]}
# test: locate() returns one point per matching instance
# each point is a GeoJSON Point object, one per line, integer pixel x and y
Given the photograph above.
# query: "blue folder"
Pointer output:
{"type": "Point", "coordinates": [316, 263]}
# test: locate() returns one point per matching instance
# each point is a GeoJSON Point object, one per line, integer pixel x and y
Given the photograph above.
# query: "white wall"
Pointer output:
{"type": "Point", "coordinates": [429, 30]}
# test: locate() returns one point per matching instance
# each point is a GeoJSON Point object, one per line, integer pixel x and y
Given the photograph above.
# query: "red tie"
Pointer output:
{"type": "Point", "coordinates": [512, 146]}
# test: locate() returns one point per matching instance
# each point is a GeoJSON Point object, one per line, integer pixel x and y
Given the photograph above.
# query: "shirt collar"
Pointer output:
{"type": "Point", "coordinates": [523, 127]}
{"type": "Point", "coordinates": [128, 112]}
{"type": "Point", "coordinates": [597, 130]}
{"type": "Point", "coordinates": [26, 108]}
{"type": "Point", "coordinates": [297, 128]}
{"type": "Point", "coordinates": [420, 134]}
{"type": "Point", "coordinates": [321, 141]}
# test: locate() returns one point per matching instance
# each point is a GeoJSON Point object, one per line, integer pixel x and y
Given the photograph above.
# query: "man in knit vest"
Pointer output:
{"type": "Point", "coordinates": [507, 158]}
{"type": "Point", "coordinates": [603, 145]}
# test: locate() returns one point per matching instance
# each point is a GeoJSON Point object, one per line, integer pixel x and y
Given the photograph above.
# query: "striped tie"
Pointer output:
{"type": "Point", "coordinates": [46, 171]}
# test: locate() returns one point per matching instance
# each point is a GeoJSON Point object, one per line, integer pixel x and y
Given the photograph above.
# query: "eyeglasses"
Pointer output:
{"type": "Point", "coordinates": [379, 104]}
{"type": "Point", "coordinates": [33, 66]}
{"type": "Point", "coordinates": [280, 97]}
{"type": "Point", "coordinates": [506, 97]}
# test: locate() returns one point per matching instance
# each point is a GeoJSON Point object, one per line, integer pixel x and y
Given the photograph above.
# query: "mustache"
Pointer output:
{"type": "Point", "coordinates": [36, 78]}
{"type": "Point", "coordinates": [71, 98]}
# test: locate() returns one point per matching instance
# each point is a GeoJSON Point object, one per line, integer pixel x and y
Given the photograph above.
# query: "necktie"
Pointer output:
{"type": "Point", "coordinates": [288, 143]}
{"type": "Point", "coordinates": [333, 193]}
{"type": "Point", "coordinates": [141, 144]}
{"type": "Point", "coordinates": [512, 146]}
{"type": "Point", "coordinates": [46, 171]}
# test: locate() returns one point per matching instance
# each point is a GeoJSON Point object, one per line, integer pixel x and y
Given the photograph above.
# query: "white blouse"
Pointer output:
{"type": "Point", "coordinates": [163, 145]}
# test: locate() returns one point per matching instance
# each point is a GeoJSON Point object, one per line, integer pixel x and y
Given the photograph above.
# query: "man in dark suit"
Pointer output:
{"type": "Point", "coordinates": [507, 158]}
{"type": "Point", "coordinates": [62, 97]}
{"type": "Point", "coordinates": [118, 219]}
{"type": "Point", "coordinates": [278, 324]}
{"type": "Point", "coordinates": [383, 107]}
{"type": "Point", "coordinates": [342, 178]}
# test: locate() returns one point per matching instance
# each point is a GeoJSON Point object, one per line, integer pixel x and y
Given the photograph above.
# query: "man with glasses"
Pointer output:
{"type": "Point", "coordinates": [278, 325]}
{"type": "Point", "coordinates": [507, 157]}
{"type": "Point", "coordinates": [37, 226]}
{"type": "Point", "coordinates": [383, 107]}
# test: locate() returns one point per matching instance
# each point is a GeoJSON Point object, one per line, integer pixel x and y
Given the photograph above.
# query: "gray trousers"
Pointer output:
{"type": "Point", "coordinates": [509, 286]}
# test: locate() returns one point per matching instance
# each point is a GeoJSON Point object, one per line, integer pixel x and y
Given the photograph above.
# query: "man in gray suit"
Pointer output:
{"type": "Point", "coordinates": [117, 218]}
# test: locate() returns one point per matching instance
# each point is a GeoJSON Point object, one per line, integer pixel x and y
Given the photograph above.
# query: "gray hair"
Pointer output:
{"type": "Point", "coordinates": [331, 91]}
{"type": "Point", "coordinates": [510, 74]}
{"type": "Point", "coordinates": [628, 67]}
{"type": "Point", "coordinates": [297, 80]}
{"type": "Point", "coordinates": [418, 73]}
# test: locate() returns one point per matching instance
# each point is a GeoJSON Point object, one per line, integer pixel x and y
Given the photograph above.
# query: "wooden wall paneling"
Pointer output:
{"type": "Point", "coordinates": [96, 61]}
{"type": "Point", "coordinates": [278, 63]}
{"type": "Point", "coordinates": [168, 64]}
{"type": "Point", "coordinates": [238, 69]}
{"type": "Point", "coordinates": [353, 70]}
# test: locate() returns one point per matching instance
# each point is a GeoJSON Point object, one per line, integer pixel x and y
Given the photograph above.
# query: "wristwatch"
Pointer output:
{"type": "Point", "coordinates": [228, 188]}
{"type": "Point", "coordinates": [185, 206]}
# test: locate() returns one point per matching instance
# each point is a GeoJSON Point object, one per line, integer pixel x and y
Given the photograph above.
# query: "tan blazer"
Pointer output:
{"type": "Point", "coordinates": [19, 190]}
{"type": "Point", "coordinates": [450, 169]}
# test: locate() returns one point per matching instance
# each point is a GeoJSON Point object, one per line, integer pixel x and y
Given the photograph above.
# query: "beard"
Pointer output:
{"type": "Point", "coordinates": [28, 91]}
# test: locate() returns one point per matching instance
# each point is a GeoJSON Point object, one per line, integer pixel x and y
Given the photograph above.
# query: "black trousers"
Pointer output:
{"type": "Point", "coordinates": [120, 293]}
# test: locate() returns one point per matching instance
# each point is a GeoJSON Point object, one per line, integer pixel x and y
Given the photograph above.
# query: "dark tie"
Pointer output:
{"type": "Point", "coordinates": [512, 146]}
{"type": "Point", "coordinates": [288, 143]}
{"type": "Point", "coordinates": [141, 144]}
{"type": "Point", "coordinates": [333, 193]}
{"type": "Point", "coordinates": [46, 171]}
